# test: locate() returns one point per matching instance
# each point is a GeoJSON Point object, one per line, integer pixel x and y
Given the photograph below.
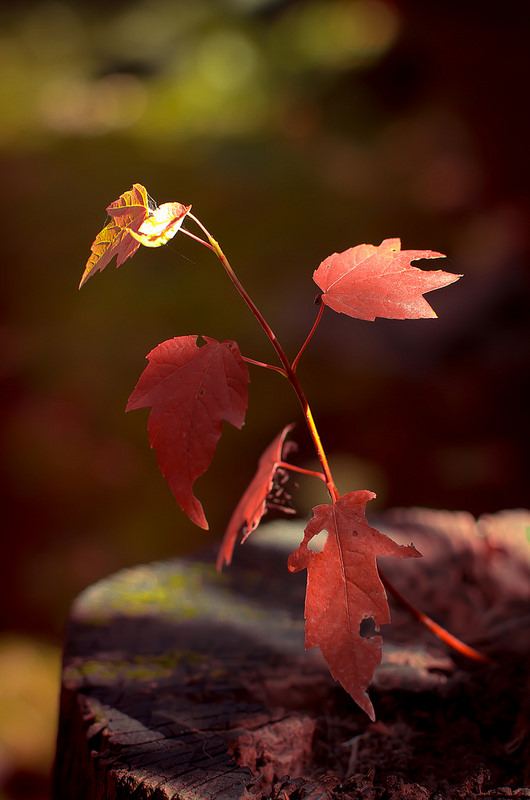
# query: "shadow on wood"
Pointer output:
{"type": "Point", "coordinates": [179, 682]}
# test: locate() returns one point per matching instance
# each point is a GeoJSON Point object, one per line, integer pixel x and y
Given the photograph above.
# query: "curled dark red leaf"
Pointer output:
{"type": "Point", "coordinates": [253, 503]}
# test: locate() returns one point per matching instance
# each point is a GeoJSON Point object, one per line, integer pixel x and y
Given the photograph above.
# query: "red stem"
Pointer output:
{"type": "Point", "coordinates": [263, 364]}
{"type": "Point", "coordinates": [197, 238]}
{"type": "Point", "coordinates": [441, 633]}
{"type": "Point", "coordinates": [309, 336]}
{"type": "Point", "coordinates": [303, 470]}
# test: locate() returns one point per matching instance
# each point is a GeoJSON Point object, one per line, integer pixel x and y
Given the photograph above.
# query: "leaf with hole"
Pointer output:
{"type": "Point", "coordinates": [366, 282]}
{"type": "Point", "coordinates": [344, 589]}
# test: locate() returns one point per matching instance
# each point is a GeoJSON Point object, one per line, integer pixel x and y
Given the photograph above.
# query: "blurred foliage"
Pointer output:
{"type": "Point", "coordinates": [169, 72]}
{"type": "Point", "coordinates": [296, 129]}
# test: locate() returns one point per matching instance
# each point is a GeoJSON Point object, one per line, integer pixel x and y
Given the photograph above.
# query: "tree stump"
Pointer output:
{"type": "Point", "coordinates": [182, 683]}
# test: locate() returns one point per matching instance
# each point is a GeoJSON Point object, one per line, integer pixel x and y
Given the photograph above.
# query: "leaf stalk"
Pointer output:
{"type": "Point", "coordinates": [309, 336]}
{"type": "Point", "coordinates": [264, 365]}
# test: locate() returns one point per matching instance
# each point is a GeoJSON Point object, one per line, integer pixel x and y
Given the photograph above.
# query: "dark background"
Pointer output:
{"type": "Point", "coordinates": [295, 129]}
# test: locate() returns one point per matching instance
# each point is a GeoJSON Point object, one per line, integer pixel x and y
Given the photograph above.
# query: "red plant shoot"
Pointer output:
{"type": "Point", "coordinates": [192, 387]}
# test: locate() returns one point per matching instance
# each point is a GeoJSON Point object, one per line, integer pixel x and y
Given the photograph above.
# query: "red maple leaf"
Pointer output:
{"type": "Point", "coordinates": [133, 221]}
{"type": "Point", "coordinates": [368, 281]}
{"type": "Point", "coordinates": [190, 390]}
{"type": "Point", "coordinates": [344, 588]}
{"type": "Point", "coordinates": [253, 504]}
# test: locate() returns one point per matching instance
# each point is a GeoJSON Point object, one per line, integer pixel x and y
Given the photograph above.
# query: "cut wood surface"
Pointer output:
{"type": "Point", "coordinates": [180, 682]}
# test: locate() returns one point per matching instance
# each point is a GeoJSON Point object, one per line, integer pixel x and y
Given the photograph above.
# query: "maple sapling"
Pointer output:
{"type": "Point", "coordinates": [192, 389]}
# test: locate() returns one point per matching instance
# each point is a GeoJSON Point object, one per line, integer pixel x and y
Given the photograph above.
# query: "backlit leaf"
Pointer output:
{"type": "Point", "coordinates": [161, 224]}
{"type": "Point", "coordinates": [134, 220]}
{"type": "Point", "coordinates": [368, 281]}
{"type": "Point", "coordinates": [126, 215]}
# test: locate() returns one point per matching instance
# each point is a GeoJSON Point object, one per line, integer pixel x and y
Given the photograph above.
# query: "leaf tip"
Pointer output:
{"type": "Point", "coordinates": [86, 274]}
{"type": "Point", "coordinates": [371, 713]}
{"type": "Point", "coordinates": [194, 512]}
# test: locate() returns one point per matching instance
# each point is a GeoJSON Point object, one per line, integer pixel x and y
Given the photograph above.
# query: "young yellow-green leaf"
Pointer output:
{"type": "Point", "coordinates": [126, 215]}
{"type": "Point", "coordinates": [133, 221]}
{"type": "Point", "coordinates": [161, 224]}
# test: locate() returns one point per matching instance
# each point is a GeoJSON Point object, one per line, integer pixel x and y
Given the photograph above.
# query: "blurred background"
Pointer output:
{"type": "Point", "coordinates": [296, 129]}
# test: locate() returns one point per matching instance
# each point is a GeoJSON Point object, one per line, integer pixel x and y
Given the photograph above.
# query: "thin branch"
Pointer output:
{"type": "Point", "coordinates": [309, 336]}
{"type": "Point", "coordinates": [263, 364]}
{"type": "Point", "coordinates": [453, 641]}
{"type": "Point", "coordinates": [197, 238]}
{"type": "Point", "coordinates": [302, 470]}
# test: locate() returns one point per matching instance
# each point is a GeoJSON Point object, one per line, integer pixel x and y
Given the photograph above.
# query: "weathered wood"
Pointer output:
{"type": "Point", "coordinates": [169, 668]}
{"type": "Point", "coordinates": [182, 683]}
